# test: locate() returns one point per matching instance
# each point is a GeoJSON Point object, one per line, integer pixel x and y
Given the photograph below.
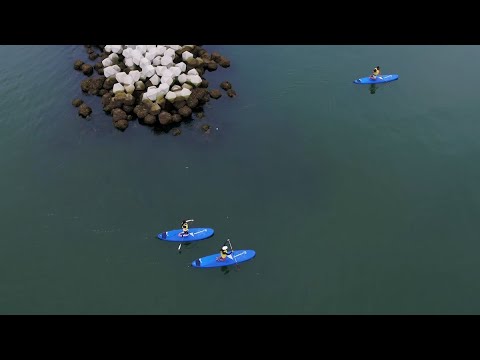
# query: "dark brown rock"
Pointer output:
{"type": "Point", "coordinates": [205, 127]}
{"type": "Point", "coordinates": [192, 102]}
{"type": "Point", "coordinates": [165, 118]}
{"type": "Point", "coordinates": [147, 103]}
{"type": "Point", "coordinates": [185, 112]}
{"type": "Point", "coordinates": [108, 108]}
{"type": "Point", "coordinates": [109, 82]}
{"type": "Point", "coordinates": [78, 64]}
{"type": "Point", "coordinates": [192, 62]}
{"type": "Point", "coordinates": [119, 114]}
{"type": "Point", "coordinates": [231, 93]}
{"type": "Point", "coordinates": [215, 93]}
{"type": "Point", "coordinates": [77, 102]}
{"type": "Point", "coordinates": [92, 86]}
{"type": "Point", "coordinates": [106, 98]}
{"type": "Point", "coordinates": [87, 69]}
{"type": "Point", "coordinates": [127, 108]}
{"type": "Point", "coordinates": [150, 119]}
{"type": "Point", "coordinates": [225, 85]}
{"type": "Point", "coordinates": [223, 62]}
{"type": "Point", "coordinates": [212, 66]}
{"type": "Point", "coordinates": [176, 118]}
{"type": "Point", "coordinates": [215, 56]}
{"type": "Point", "coordinates": [178, 104]}
{"type": "Point", "coordinates": [203, 53]}
{"type": "Point", "coordinates": [121, 124]}
{"type": "Point", "coordinates": [116, 102]}
{"type": "Point", "coordinates": [141, 111]}
{"type": "Point", "coordinates": [84, 110]}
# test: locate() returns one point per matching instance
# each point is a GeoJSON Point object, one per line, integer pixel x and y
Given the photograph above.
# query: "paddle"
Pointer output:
{"type": "Point", "coordinates": [233, 253]}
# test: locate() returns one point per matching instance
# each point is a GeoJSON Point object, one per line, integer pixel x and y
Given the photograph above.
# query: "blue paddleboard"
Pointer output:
{"type": "Point", "coordinates": [194, 234]}
{"type": "Point", "coordinates": [380, 79]}
{"type": "Point", "coordinates": [235, 257]}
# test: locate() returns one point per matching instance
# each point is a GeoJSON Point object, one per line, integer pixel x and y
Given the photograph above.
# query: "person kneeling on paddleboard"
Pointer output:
{"type": "Point", "coordinates": [375, 73]}
{"type": "Point", "coordinates": [185, 227]}
{"type": "Point", "coordinates": [223, 253]}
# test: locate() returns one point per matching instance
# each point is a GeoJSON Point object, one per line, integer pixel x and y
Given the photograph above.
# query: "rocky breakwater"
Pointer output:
{"type": "Point", "coordinates": [160, 85]}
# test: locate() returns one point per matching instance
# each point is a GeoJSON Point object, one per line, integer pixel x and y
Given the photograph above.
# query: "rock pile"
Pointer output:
{"type": "Point", "coordinates": [160, 85]}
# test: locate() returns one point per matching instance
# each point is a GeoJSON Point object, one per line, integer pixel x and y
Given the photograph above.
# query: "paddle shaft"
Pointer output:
{"type": "Point", "coordinates": [233, 252]}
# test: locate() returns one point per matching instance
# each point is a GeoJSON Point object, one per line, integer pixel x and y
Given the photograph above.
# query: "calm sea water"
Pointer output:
{"type": "Point", "coordinates": [355, 202]}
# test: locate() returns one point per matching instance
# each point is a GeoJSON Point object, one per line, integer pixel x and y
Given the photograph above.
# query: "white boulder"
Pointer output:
{"type": "Point", "coordinates": [148, 71]}
{"type": "Point", "coordinates": [118, 88]}
{"type": "Point", "coordinates": [117, 48]}
{"type": "Point", "coordinates": [186, 55]}
{"type": "Point", "coordinates": [128, 80]}
{"type": "Point", "coordinates": [169, 52]}
{"type": "Point", "coordinates": [163, 89]}
{"type": "Point", "coordinates": [144, 62]}
{"type": "Point", "coordinates": [156, 61]}
{"type": "Point", "coordinates": [135, 74]}
{"type": "Point", "coordinates": [149, 56]}
{"type": "Point", "coordinates": [182, 78]}
{"type": "Point", "coordinates": [120, 76]}
{"type": "Point", "coordinates": [182, 66]}
{"type": "Point", "coordinates": [107, 62]}
{"type": "Point", "coordinates": [195, 80]}
{"type": "Point", "coordinates": [166, 60]}
{"type": "Point", "coordinates": [171, 96]}
{"type": "Point", "coordinates": [160, 69]}
{"type": "Point", "coordinates": [161, 49]}
{"type": "Point", "coordinates": [129, 62]}
{"type": "Point", "coordinates": [155, 80]}
{"type": "Point", "coordinates": [185, 93]}
{"type": "Point", "coordinates": [167, 80]}
{"type": "Point", "coordinates": [141, 48]}
{"type": "Point", "coordinates": [175, 71]}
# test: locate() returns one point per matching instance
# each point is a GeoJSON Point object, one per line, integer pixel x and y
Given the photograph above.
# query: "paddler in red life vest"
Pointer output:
{"type": "Point", "coordinates": [375, 73]}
